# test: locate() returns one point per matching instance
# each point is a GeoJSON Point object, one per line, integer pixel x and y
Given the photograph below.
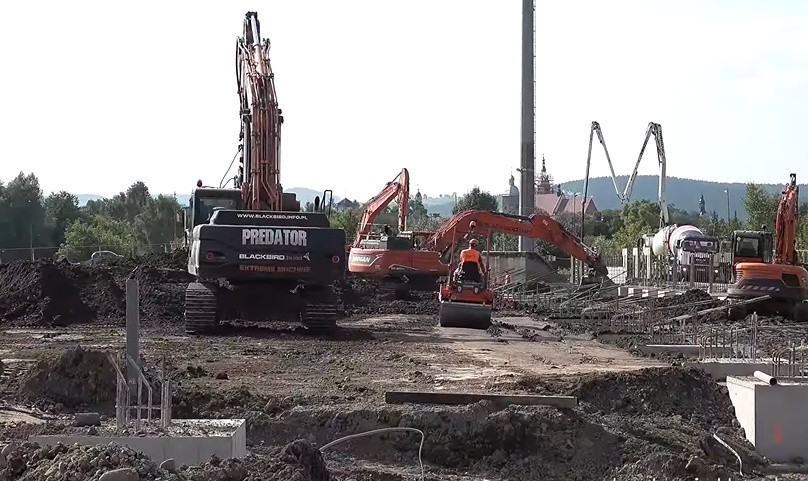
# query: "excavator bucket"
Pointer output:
{"type": "Point", "coordinates": [465, 314]}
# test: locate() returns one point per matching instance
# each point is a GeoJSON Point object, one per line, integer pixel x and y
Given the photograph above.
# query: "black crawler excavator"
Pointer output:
{"type": "Point", "coordinates": [254, 254]}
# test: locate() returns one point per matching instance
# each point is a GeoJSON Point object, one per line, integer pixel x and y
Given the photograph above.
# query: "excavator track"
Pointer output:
{"type": "Point", "coordinates": [322, 310]}
{"type": "Point", "coordinates": [201, 309]}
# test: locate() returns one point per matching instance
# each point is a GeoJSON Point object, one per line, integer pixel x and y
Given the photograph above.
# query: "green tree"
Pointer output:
{"type": "Point", "coordinates": [761, 207]}
{"type": "Point", "coordinates": [417, 209]}
{"type": "Point", "coordinates": [638, 217]}
{"type": "Point", "coordinates": [158, 223]}
{"type": "Point", "coordinates": [347, 220]}
{"type": "Point", "coordinates": [22, 215]}
{"type": "Point", "coordinates": [429, 223]}
{"type": "Point", "coordinates": [476, 199]}
{"type": "Point", "coordinates": [61, 210]}
{"type": "Point", "coordinates": [84, 237]}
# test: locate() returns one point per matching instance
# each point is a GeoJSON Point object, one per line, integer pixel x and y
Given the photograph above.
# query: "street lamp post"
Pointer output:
{"type": "Point", "coordinates": [726, 191]}
{"type": "Point", "coordinates": [30, 230]}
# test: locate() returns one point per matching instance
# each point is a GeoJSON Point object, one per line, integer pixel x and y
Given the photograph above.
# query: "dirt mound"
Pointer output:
{"type": "Point", "coordinates": [503, 444]}
{"type": "Point", "coordinates": [76, 378]}
{"type": "Point", "coordinates": [298, 461]}
{"type": "Point", "coordinates": [664, 391]}
{"type": "Point", "coordinates": [162, 293]}
{"type": "Point", "coordinates": [51, 293]}
{"type": "Point", "coordinates": [689, 302]}
{"type": "Point", "coordinates": [44, 291]}
{"type": "Point", "coordinates": [31, 462]}
{"type": "Point", "coordinates": [367, 296]}
{"type": "Point", "coordinates": [653, 423]}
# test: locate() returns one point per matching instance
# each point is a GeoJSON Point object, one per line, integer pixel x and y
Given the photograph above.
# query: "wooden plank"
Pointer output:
{"type": "Point", "coordinates": [401, 397]}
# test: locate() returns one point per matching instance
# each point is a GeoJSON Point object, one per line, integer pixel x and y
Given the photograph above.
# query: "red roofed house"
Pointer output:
{"type": "Point", "coordinates": [554, 201]}
{"type": "Point", "coordinates": [550, 199]}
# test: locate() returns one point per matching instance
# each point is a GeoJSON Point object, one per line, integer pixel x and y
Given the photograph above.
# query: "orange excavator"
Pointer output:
{"type": "Point", "coordinates": [784, 280]}
{"type": "Point", "coordinates": [418, 260]}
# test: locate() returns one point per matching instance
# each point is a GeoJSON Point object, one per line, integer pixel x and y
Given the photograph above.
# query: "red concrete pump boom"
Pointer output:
{"type": "Point", "coordinates": [537, 226]}
{"type": "Point", "coordinates": [399, 189]}
{"type": "Point", "coordinates": [261, 119]}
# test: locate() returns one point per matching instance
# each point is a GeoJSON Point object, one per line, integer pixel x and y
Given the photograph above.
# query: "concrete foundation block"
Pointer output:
{"type": "Point", "coordinates": [189, 442]}
{"type": "Point", "coordinates": [719, 369]}
{"type": "Point", "coordinates": [773, 417]}
{"type": "Point", "coordinates": [87, 419]}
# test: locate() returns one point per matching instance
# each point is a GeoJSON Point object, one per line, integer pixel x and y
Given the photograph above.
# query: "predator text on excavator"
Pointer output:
{"type": "Point", "coordinates": [254, 254]}
{"type": "Point", "coordinates": [781, 278]}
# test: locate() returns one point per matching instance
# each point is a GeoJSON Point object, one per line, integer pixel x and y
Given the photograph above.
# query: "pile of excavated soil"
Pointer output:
{"type": "Point", "coordinates": [652, 423]}
{"type": "Point", "coordinates": [76, 378]}
{"type": "Point", "coordinates": [691, 301]}
{"type": "Point", "coordinates": [298, 461]}
{"type": "Point", "coordinates": [57, 293]}
{"type": "Point", "coordinates": [366, 296]}
{"type": "Point", "coordinates": [51, 293]}
{"type": "Point", "coordinates": [665, 391]}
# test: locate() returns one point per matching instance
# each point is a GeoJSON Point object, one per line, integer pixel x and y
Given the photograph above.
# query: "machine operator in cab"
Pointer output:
{"type": "Point", "coordinates": [471, 263]}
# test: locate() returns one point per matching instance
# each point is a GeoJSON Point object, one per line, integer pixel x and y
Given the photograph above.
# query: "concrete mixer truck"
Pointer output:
{"type": "Point", "coordinates": [692, 249]}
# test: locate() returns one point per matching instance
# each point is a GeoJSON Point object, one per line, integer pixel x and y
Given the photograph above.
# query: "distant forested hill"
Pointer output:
{"type": "Point", "coordinates": [683, 193]}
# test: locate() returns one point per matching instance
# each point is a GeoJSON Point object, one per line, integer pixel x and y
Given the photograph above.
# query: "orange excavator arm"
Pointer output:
{"type": "Point", "coordinates": [537, 226]}
{"type": "Point", "coordinates": [785, 230]}
{"type": "Point", "coordinates": [399, 189]}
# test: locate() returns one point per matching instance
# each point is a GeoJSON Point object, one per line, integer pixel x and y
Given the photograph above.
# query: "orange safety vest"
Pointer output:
{"type": "Point", "coordinates": [470, 255]}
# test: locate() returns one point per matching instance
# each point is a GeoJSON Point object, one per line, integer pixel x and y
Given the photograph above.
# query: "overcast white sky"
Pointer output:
{"type": "Point", "coordinates": [97, 95]}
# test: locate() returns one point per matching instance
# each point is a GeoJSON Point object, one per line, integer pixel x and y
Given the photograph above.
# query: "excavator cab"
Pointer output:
{"type": "Point", "coordinates": [752, 246]}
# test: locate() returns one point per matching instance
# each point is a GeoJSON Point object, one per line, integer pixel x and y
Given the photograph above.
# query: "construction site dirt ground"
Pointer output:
{"type": "Point", "coordinates": [293, 386]}
{"type": "Point", "coordinates": [637, 417]}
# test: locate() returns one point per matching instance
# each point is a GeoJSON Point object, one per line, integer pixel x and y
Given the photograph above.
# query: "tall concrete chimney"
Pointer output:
{"type": "Point", "coordinates": [527, 186]}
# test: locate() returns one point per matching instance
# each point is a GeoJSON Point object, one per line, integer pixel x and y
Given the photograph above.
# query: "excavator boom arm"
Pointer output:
{"type": "Point", "coordinates": [399, 189]}
{"type": "Point", "coordinates": [785, 251]}
{"type": "Point", "coordinates": [261, 119]}
{"type": "Point", "coordinates": [537, 226]}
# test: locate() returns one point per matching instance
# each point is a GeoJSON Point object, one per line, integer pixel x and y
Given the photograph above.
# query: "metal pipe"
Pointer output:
{"type": "Point", "coordinates": [771, 381]}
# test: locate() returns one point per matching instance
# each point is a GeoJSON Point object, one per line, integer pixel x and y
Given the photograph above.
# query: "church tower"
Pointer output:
{"type": "Point", "coordinates": [544, 184]}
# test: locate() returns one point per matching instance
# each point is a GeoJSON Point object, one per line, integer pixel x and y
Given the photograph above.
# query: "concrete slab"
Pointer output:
{"type": "Point", "coordinates": [719, 369]}
{"type": "Point", "coordinates": [773, 417]}
{"type": "Point", "coordinates": [189, 442]}
{"type": "Point", "coordinates": [687, 350]}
